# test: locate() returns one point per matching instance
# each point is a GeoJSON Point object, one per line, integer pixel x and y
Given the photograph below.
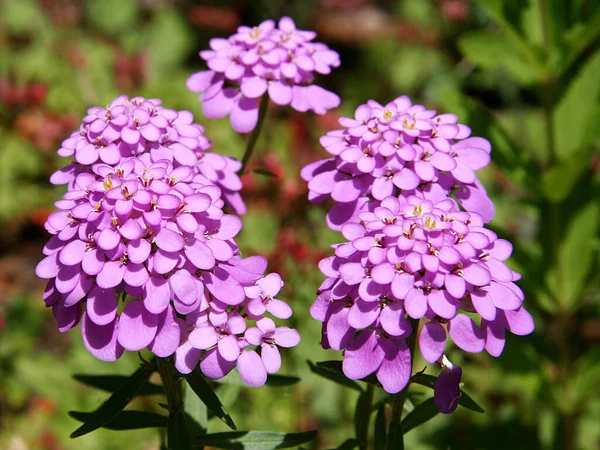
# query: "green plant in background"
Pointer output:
{"type": "Point", "coordinates": [522, 74]}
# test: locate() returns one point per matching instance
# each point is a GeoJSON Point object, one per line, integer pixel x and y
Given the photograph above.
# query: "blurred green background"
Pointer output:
{"type": "Point", "coordinates": [523, 73]}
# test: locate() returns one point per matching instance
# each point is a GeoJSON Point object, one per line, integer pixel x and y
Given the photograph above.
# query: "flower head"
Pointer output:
{"type": "Point", "coordinates": [413, 215]}
{"type": "Point", "coordinates": [150, 232]}
{"type": "Point", "coordinates": [132, 127]}
{"type": "Point", "coordinates": [399, 148]}
{"type": "Point", "coordinates": [280, 61]}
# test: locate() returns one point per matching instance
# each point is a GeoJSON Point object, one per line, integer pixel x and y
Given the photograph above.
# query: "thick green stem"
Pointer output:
{"type": "Point", "coordinates": [363, 413]}
{"type": "Point", "coordinates": [172, 383]}
{"type": "Point", "coordinates": [262, 113]}
{"type": "Point", "coordinates": [400, 398]}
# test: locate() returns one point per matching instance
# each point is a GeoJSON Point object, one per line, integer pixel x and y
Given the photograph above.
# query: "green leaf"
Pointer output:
{"type": "Point", "coordinates": [254, 440]}
{"type": "Point", "coordinates": [395, 437]}
{"type": "Point", "coordinates": [465, 399]}
{"type": "Point", "coordinates": [265, 172]}
{"type": "Point", "coordinates": [380, 428]}
{"type": "Point", "coordinates": [177, 432]}
{"type": "Point", "coordinates": [109, 410]}
{"type": "Point", "coordinates": [203, 390]}
{"type": "Point", "coordinates": [581, 38]}
{"type": "Point", "coordinates": [332, 374]}
{"type": "Point", "coordinates": [112, 383]}
{"type": "Point", "coordinates": [576, 111]}
{"type": "Point", "coordinates": [497, 51]}
{"type": "Point", "coordinates": [362, 414]}
{"type": "Point", "coordinates": [577, 253]}
{"type": "Point", "coordinates": [348, 444]}
{"type": "Point", "coordinates": [558, 181]}
{"type": "Point", "coordinates": [281, 380]}
{"type": "Point", "coordinates": [423, 412]}
{"type": "Point", "coordinates": [113, 16]}
{"type": "Point", "coordinates": [196, 413]}
{"type": "Point", "coordinates": [126, 420]}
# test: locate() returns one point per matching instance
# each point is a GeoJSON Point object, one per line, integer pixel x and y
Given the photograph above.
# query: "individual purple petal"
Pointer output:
{"type": "Point", "coordinates": [395, 369]}
{"type": "Point", "coordinates": [101, 305]}
{"type": "Point", "coordinates": [137, 326]}
{"type": "Point", "coordinates": [280, 93]}
{"type": "Point", "coordinates": [111, 274]}
{"type": "Point", "coordinates": [187, 357]}
{"type": "Point", "coordinates": [229, 348]}
{"type": "Point", "coordinates": [169, 240]}
{"type": "Point", "coordinates": [244, 115]}
{"type": "Point", "coordinates": [446, 391]}
{"type": "Point", "coordinates": [363, 357]}
{"type": "Point", "coordinates": [168, 335]}
{"type": "Point", "coordinates": [214, 366]}
{"type": "Point", "coordinates": [271, 358]}
{"type": "Point", "coordinates": [251, 368]}
{"type": "Point", "coordinates": [432, 341]}
{"type": "Point", "coordinates": [286, 337]}
{"type": "Point", "coordinates": [466, 334]}
{"type": "Point", "coordinates": [203, 337]}
{"type": "Point", "coordinates": [101, 341]}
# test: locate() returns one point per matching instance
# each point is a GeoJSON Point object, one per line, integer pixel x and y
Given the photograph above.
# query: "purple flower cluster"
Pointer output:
{"type": "Point", "coordinates": [131, 127]}
{"type": "Point", "coordinates": [411, 251]}
{"type": "Point", "coordinates": [143, 255]}
{"type": "Point", "coordinates": [280, 61]}
{"type": "Point", "coordinates": [399, 147]}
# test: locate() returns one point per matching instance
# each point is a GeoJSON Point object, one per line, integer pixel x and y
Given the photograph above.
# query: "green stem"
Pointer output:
{"type": "Point", "coordinates": [400, 398]}
{"type": "Point", "coordinates": [364, 410]}
{"type": "Point", "coordinates": [172, 383]}
{"type": "Point", "coordinates": [262, 113]}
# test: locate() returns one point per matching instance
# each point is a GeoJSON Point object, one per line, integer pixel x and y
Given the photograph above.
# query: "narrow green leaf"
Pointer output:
{"type": "Point", "coordinates": [203, 390]}
{"type": "Point", "coordinates": [558, 181]}
{"type": "Point", "coordinates": [112, 383]}
{"type": "Point", "coordinates": [348, 444]}
{"type": "Point", "coordinates": [254, 440]}
{"type": "Point", "coordinates": [424, 380]}
{"type": "Point", "coordinates": [334, 375]}
{"type": "Point", "coordinates": [466, 401]}
{"type": "Point", "coordinates": [127, 420]}
{"type": "Point", "coordinates": [422, 413]}
{"type": "Point", "coordinates": [196, 413]}
{"type": "Point", "coordinates": [395, 437]}
{"type": "Point", "coordinates": [575, 114]}
{"type": "Point", "coordinates": [281, 380]}
{"type": "Point", "coordinates": [578, 251]}
{"type": "Point", "coordinates": [380, 428]}
{"type": "Point", "coordinates": [177, 432]}
{"type": "Point", "coordinates": [362, 415]}
{"type": "Point", "coordinates": [264, 172]}
{"type": "Point", "coordinates": [115, 404]}
{"type": "Point", "coordinates": [497, 51]}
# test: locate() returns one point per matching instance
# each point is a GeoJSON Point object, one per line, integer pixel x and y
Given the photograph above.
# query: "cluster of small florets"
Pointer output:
{"type": "Point", "coordinates": [412, 253]}
{"type": "Point", "coordinates": [398, 148]}
{"type": "Point", "coordinates": [131, 127]}
{"type": "Point", "coordinates": [280, 61]}
{"type": "Point", "coordinates": [149, 231]}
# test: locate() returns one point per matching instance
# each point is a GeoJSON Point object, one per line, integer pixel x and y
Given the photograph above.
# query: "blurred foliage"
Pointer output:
{"type": "Point", "coordinates": [522, 73]}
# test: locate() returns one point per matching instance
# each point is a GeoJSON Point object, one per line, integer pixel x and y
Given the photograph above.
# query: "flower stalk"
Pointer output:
{"type": "Point", "coordinates": [262, 113]}
{"type": "Point", "coordinates": [172, 384]}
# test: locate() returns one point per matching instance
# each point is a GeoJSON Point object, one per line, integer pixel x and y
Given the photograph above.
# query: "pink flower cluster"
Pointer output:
{"type": "Point", "coordinates": [143, 231]}
{"type": "Point", "coordinates": [131, 127]}
{"type": "Point", "coordinates": [280, 61]}
{"type": "Point", "coordinates": [398, 148]}
{"type": "Point", "coordinates": [412, 252]}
